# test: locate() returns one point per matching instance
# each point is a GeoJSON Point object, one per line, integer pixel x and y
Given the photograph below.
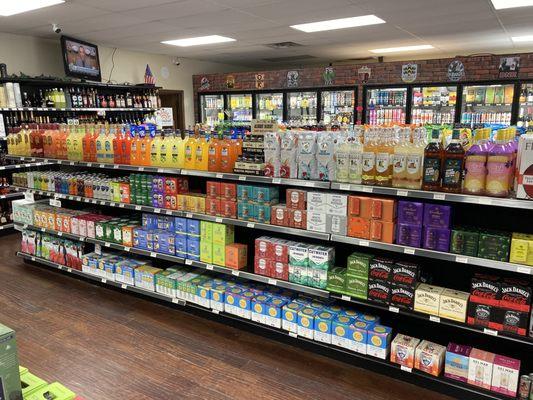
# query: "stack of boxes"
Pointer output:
{"type": "Point", "coordinates": [436, 234]}
{"type": "Point", "coordinates": [489, 244]}
{"type": "Point", "coordinates": [252, 160]}
{"type": "Point", "coordinates": [272, 257]}
{"type": "Point", "coordinates": [423, 355]}
{"type": "Point", "coordinates": [371, 218]}
{"type": "Point", "coordinates": [309, 264]}
{"type": "Point", "coordinates": [168, 192]}
{"type": "Point", "coordinates": [410, 218]}
{"type": "Point", "coordinates": [327, 212]}
{"type": "Point", "coordinates": [217, 246]}
{"type": "Point", "coordinates": [500, 304]}
{"type": "Point", "coordinates": [254, 202]}
{"type": "Point", "coordinates": [294, 213]}
{"type": "Point", "coordinates": [221, 199]}
{"type": "Point", "coordinates": [522, 249]}
{"type": "Point", "coordinates": [441, 302]}
{"type": "Point", "coordinates": [356, 279]}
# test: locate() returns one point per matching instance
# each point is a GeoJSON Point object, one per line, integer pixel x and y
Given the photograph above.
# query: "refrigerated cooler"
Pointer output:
{"type": "Point", "coordinates": [269, 106]}
{"type": "Point", "coordinates": [525, 107]}
{"type": "Point", "coordinates": [338, 107]}
{"type": "Point", "coordinates": [433, 105]}
{"type": "Point", "coordinates": [240, 107]}
{"type": "Point", "coordinates": [483, 104]}
{"type": "Point", "coordinates": [302, 107]}
{"type": "Point", "coordinates": [386, 105]}
{"type": "Point", "coordinates": [212, 108]}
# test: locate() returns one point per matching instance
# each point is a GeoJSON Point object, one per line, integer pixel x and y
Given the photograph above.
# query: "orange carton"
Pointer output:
{"type": "Point", "coordinates": [383, 209]}
{"type": "Point", "coordinates": [359, 227]}
{"type": "Point", "coordinates": [124, 193]}
{"type": "Point", "coordinates": [382, 231]}
{"type": "Point", "coordinates": [358, 206]}
{"type": "Point", "coordinates": [403, 350]}
{"type": "Point", "coordinates": [213, 189]}
{"type": "Point", "coordinates": [429, 357]}
{"type": "Point", "coordinates": [171, 201]}
{"type": "Point", "coordinates": [228, 208]}
{"type": "Point", "coordinates": [228, 191]}
{"type": "Point", "coordinates": [212, 206]}
{"type": "Point", "coordinates": [50, 219]}
{"type": "Point", "coordinates": [127, 235]}
{"type": "Point", "coordinates": [236, 255]}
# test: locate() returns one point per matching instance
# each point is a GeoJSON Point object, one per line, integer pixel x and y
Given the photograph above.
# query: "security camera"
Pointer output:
{"type": "Point", "coordinates": [56, 28]}
{"type": "Point", "coordinates": [176, 61]}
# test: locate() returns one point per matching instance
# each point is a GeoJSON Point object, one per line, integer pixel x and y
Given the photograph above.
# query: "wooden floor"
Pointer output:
{"type": "Point", "coordinates": [106, 345]}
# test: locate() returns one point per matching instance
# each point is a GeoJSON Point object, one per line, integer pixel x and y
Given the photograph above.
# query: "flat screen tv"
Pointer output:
{"type": "Point", "coordinates": [80, 59]}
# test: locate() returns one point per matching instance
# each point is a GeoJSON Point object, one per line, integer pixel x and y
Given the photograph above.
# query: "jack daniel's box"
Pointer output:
{"type": "Point", "coordinates": [379, 291]}
{"type": "Point", "coordinates": [485, 295]}
{"type": "Point", "coordinates": [515, 306]}
{"type": "Point", "coordinates": [402, 296]}
{"type": "Point", "coordinates": [404, 273]}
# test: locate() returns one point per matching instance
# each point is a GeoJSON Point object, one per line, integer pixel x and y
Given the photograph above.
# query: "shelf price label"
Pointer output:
{"type": "Point", "coordinates": [524, 270]}
{"type": "Point", "coordinates": [364, 243]}
{"type": "Point", "coordinates": [434, 318]}
{"type": "Point", "coordinates": [409, 250]}
{"type": "Point", "coordinates": [138, 208]}
{"type": "Point", "coordinates": [219, 176]}
{"type": "Point", "coordinates": [153, 254]}
{"type": "Point", "coordinates": [124, 286]}
{"type": "Point", "coordinates": [344, 186]}
{"type": "Point", "coordinates": [104, 280]}
{"type": "Point", "coordinates": [463, 260]}
{"type": "Point", "coordinates": [209, 267]}
{"type": "Point", "coordinates": [346, 298]}
{"type": "Point", "coordinates": [250, 225]}
{"type": "Point", "coordinates": [242, 178]}
{"type": "Point", "coordinates": [439, 196]}
{"type": "Point", "coordinates": [490, 332]}
{"type": "Point", "coordinates": [235, 272]}
{"type": "Point", "coordinates": [272, 281]}
{"type": "Point", "coordinates": [406, 369]}
{"type": "Point", "coordinates": [115, 166]}
{"type": "Point", "coordinates": [28, 196]}
{"type": "Point", "coordinates": [403, 193]}
{"type": "Point", "coordinates": [394, 309]}
{"type": "Point", "coordinates": [485, 201]}
{"type": "Point", "coordinates": [218, 219]}
{"type": "Point", "coordinates": [98, 249]}
{"type": "Point", "coordinates": [276, 181]}
{"type": "Point", "coordinates": [292, 334]}
{"type": "Point", "coordinates": [188, 261]}
{"type": "Point", "coordinates": [367, 189]}
{"type": "Point", "coordinates": [188, 215]}
{"type": "Point", "coordinates": [215, 311]}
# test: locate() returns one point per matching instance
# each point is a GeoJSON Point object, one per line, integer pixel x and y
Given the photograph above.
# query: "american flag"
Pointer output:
{"type": "Point", "coordinates": [149, 78]}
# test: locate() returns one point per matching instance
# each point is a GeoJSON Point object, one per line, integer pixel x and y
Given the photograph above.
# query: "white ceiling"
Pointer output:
{"type": "Point", "coordinates": [453, 27]}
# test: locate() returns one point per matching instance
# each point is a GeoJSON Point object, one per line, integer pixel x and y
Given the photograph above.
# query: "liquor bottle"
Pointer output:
{"type": "Point", "coordinates": [384, 152]}
{"type": "Point", "coordinates": [453, 162]}
{"type": "Point", "coordinates": [399, 159]}
{"type": "Point", "coordinates": [433, 154]}
{"type": "Point", "coordinates": [369, 158]}
{"type": "Point", "coordinates": [499, 166]}
{"type": "Point", "coordinates": [476, 164]}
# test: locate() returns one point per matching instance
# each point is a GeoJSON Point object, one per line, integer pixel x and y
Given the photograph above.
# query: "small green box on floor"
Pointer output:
{"type": "Point", "coordinates": [54, 391]}
{"type": "Point", "coordinates": [336, 278]}
{"type": "Point", "coordinates": [31, 383]}
{"type": "Point", "coordinates": [356, 286]}
{"type": "Point", "coordinates": [10, 387]}
{"type": "Point", "coordinates": [359, 263]}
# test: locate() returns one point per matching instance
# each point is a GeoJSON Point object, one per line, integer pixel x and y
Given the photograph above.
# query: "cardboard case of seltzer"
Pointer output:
{"type": "Point", "coordinates": [10, 388]}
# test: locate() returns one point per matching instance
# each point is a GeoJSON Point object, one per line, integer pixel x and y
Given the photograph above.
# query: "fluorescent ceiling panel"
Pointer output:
{"type": "Point", "coordinates": [341, 23]}
{"type": "Point", "coordinates": [501, 4]}
{"type": "Point", "coordinates": [403, 48]}
{"type": "Point", "coordinates": [12, 7]}
{"type": "Point", "coordinates": [197, 41]}
{"type": "Point", "coordinates": [526, 38]}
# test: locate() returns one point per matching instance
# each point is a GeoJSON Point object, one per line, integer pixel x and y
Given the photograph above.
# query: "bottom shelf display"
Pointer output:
{"type": "Point", "coordinates": [324, 325]}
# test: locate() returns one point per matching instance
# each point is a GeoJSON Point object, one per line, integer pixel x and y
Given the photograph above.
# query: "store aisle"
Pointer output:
{"type": "Point", "coordinates": [106, 345]}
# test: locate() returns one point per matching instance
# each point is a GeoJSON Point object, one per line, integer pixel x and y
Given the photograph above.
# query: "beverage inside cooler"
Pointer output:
{"type": "Point", "coordinates": [489, 104]}
{"type": "Point", "coordinates": [212, 107]}
{"type": "Point", "coordinates": [338, 106]}
{"type": "Point", "coordinates": [240, 107]}
{"type": "Point", "coordinates": [525, 107]}
{"type": "Point", "coordinates": [386, 106]}
{"type": "Point", "coordinates": [433, 105]}
{"type": "Point", "coordinates": [302, 107]}
{"type": "Point", "coordinates": [269, 106]}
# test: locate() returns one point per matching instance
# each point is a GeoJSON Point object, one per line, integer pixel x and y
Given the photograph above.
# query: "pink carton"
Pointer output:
{"type": "Point", "coordinates": [505, 374]}
{"type": "Point", "coordinates": [480, 368]}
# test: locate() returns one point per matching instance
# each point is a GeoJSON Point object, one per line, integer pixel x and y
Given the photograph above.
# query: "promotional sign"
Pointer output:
{"type": "Point", "coordinates": [260, 127]}
{"type": "Point", "coordinates": [292, 78]}
{"type": "Point", "coordinates": [456, 70]}
{"type": "Point", "coordinates": [259, 81]}
{"type": "Point", "coordinates": [509, 67]}
{"type": "Point", "coordinates": [329, 75]}
{"type": "Point", "coordinates": [164, 117]}
{"type": "Point", "coordinates": [409, 72]}
{"type": "Point", "coordinates": [204, 83]}
{"type": "Point", "coordinates": [230, 81]}
{"type": "Point", "coordinates": [364, 74]}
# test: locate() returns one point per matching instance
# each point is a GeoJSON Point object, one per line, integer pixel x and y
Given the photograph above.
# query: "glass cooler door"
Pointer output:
{"type": "Point", "coordinates": [212, 108]}
{"type": "Point", "coordinates": [302, 107]}
{"type": "Point", "coordinates": [386, 105]}
{"type": "Point", "coordinates": [525, 107]}
{"type": "Point", "coordinates": [269, 106]}
{"type": "Point", "coordinates": [487, 104]}
{"type": "Point", "coordinates": [433, 105]}
{"type": "Point", "coordinates": [240, 107]}
{"type": "Point", "coordinates": [338, 107]}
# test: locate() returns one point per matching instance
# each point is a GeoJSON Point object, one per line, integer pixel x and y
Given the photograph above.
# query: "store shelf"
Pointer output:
{"type": "Point", "coordinates": [55, 82]}
{"type": "Point", "coordinates": [441, 196]}
{"type": "Point", "coordinates": [197, 264]}
{"type": "Point", "coordinates": [6, 226]}
{"type": "Point", "coordinates": [488, 105]}
{"type": "Point", "coordinates": [13, 195]}
{"type": "Point", "coordinates": [25, 165]}
{"type": "Point", "coordinates": [76, 109]}
{"type": "Point", "coordinates": [432, 318]}
{"type": "Point", "coordinates": [385, 367]}
{"type": "Point", "coordinates": [438, 255]}
{"type": "Point", "coordinates": [374, 106]}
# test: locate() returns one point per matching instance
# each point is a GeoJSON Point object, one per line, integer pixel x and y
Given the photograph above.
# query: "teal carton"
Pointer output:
{"type": "Point", "coordinates": [262, 213]}
{"type": "Point", "coordinates": [9, 365]}
{"type": "Point", "coordinates": [259, 308]}
{"type": "Point", "coordinates": [299, 254]}
{"type": "Point", "coordinates": [342, 332]}
{"type": "Point", "coordinates": [218, 297]}
{"type": "Point", "coordinates": [266, 194]}
{"type": "Point", "coordinates": [306, 322]}
{"type": "Point", "coordinates": [350, 313]}
{"type": "Point", "coordinates": [245, 211]}
{"type": "Point", "coordinates": [378, 343]}
{"type": "Point", "coordinates": [289, 316]}
{"type": "Point", "coordinates": [274, 309]}
{"type": "Point", "coordinates": [323, 326]}
{"type": "Point", "coordinates": [299, 274]}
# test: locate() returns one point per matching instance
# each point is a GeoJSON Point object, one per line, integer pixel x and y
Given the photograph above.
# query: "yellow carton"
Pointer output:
{"type": "Point", "coordinates": [219, 254]}
{"type": "Point", "coordinates": [206, 251]}
{"type": "Point", "coordinates": [223, 234]}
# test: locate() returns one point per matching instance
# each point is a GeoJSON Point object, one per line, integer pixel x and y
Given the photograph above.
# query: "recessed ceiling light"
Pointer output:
{"type": "Point", "coordinates": [339, 23]}
{"type": "Point", "coordinates": [196, 41]}
{"type": "Point", "coordinates": [13, 7]}
{"type": "Point", "coordinates": [525, 38]}
{"type": "Point", "coordinates": [403, 48]}
{"type": "Point", "coordinates": [501, 4]}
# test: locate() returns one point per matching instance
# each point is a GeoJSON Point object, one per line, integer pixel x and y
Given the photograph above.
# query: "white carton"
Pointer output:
{"type": "Point", "coordinates": [317, 201]}
{"type": "Point", "coordinates": [316, 221]}
{"type": "Point", "coordinates": [524, 162]}
{"type": "Point", "coordinates": [337, 204]}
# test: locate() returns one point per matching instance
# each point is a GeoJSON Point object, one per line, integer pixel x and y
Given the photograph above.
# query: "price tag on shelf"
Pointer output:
{"type": "Point", "coordinates": [60, 267]}
{"type": "Point", "coordinates": [113, 204]}
{"type": "Point", "coordinates": [235, 272]}
{"type": "Point", "coordinates": [43, 229]}
{"type": "Point", "coordinates": [184, 172]}
{"type": "Point", "coordinates": [409, 250]}
{"type": "Point", "coordinates": [157, 210]}
{"type": "Point", "coordinates": [367, 189]}
{"type": "Point", "coordinates": [188, 215]}
{"type": "Point", "coordinates": [439, 196]}
{"type": "Point", "coordinates": [121, 205]}
{"type": "Point", "coordinates": [215, 311]}
{"type": "Point", "coordinates": [104, 280]}
{"type": "Point", "coordinates": [33, 258]}
{"type": "Point", "coordinates": [69, 269]}
{"type": "Point", "coordinates": [188, 261]}
{"type": "Point", "coordinates": [219, 176]}
{"type": "Point", "coordinates": [272, 281]}
{"type": "Point", "coordinates": [94, 201]}
{"type": "Point", "coordinates": [102, 165]}
{"type": "Point", "coordinates": [394, 309]}
{"type": "Point", "coordinates": [115, 166]}
{"type": "Point", "coordinates": [403, 193]}
{"type": "Point", "coordinates": [160, 170]}
{"type": "Point", "coordinates": [309, 184]}
{"type": "Point", "coordinates": [250, 225]}
{"type": "Point", "coordinates": [406, 369]}
{"type": "Point", "coordinates": [124, 286]}
{"type": "Point", "coordinates": [107, 244]}
{"type": "Point", "coordinates": [127, 249]}
{"type": "Point", "coordinates": [89, 164]}
{"type": "Point", "coordinates": [242, 178]}
{"type": "Point", "coordinates": [59, 233]}
{"type": "Point", "coordinates": [364, 243]}
{"type": "Point", "coordinates": [346, 298]}
{"type": "Point", "coordinates": [209, 267]}
{"type": "Point", "coordinates": [153, 254]}
{"type": "Point", "coordinates": [276, 181]}
{"type": "Point", "coordinates": [55, 202]}
{"type": "Point", "coordinates": [490, 332]}
{"type": "Point", "coordinates": [28, 196]}
{"type": "Point", "coordinates": [292, 334]}
{"type": "Point", "coordinates": [98, 249]}
{"type": "Point", "coordinates": [138, 208]}
{"type": "Point", "coordinates": [463, 260]}
{"type": "Point", "coordinates": [218, 219]}
{"type": "Point", "coordinates": [434, 318]}
{"type": "Point", "coordinates": [175, 300]}
{"type": "Point", "coordinates": [168, 212]}
{"type": "Point", "coordinates": [485, 201]}
{"type": "Point", "coordinates": [344, 186]}
{"type": "Point", "coordinates": [524, 270]}
{"type": "Point", "coordinates": [141, 169]}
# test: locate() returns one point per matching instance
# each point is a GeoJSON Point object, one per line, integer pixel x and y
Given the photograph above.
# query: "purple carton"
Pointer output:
{"type": "Point", "coordinates": [410, 212]}
{"type": "Point", "coordinates": [158, 184]}
{"type": "Point", "coordinates": [158, 200]}
{"type": "Point", "coordinates": [436, 239]}
{"type": "Point", "coordinates": [409, 235]}
{"type": "Point", "coordinates": [456, 364]}
{"type": "Point", "coordinates": [437, 216]}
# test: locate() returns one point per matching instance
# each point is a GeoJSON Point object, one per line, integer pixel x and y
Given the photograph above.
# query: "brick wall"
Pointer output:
{"type": "Point", "coordinates": [477, 68]}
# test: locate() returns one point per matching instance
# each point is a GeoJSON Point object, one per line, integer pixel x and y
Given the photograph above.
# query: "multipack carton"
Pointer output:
{"type": "Point", "coordinates": [9, 365]}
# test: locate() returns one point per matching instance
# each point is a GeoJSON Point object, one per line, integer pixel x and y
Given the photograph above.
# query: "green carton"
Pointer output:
{"type": "Point", "coordinates": [31, 383]}
{"type": "Point", "coordinates": [356, 286]}
{"type": "Point", "coordinates": [359, 263]}
{"type": "Point", "coordinates": [336, 278]}
{"type": "Point", "coordinates": [464, 241]}
{"type": "Point", "coordinates": [54, 391]}
{"type": "Point", "coordinates": [10, 387]}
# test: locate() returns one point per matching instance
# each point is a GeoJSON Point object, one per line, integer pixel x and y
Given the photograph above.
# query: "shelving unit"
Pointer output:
{"type": "Point", "coordinates": [441, 384]}
{"type": "Point", "coordinates": [77, 109]}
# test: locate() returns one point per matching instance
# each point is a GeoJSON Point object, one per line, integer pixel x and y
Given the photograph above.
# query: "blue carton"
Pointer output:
{"type": "Point", "coordinates": [180, 243]}
{"type": "Point", "coordinates": [342, 332]}
{"type": "Point", "coordinates": [245, 193]}
{"type": "Point", "coordinates": [180, 225]}
{"type": "Point", "coordinates": [193, 227]}
{"type": "Point", "coordinates": [193, 246]}
{"type": "Point", "coordinates": [360, 336]}
{"type": "Point", "coordinates": [259, 308]}
{"type": "Point", "coordinates": [218, 296]}
{"type": "Point", "coordinates": [265, 194]}
{"type": "Point", "coordinates": [150, 234]}
{"type": "Point", "coordinates": [289, 318]}
{"type": "Point", "coordinates": [140, 238]}
{"type": "Point", "coordinates": [262, 213]}
{"type": "Point", "coordinates": [245, 211]}
{"type": "Point", "coordinates": [351, 313]}
{"type": "Point", "coordinates": [306, 322]}
{"type": "Point", "coordinates": [149, 221]}
{"type": "Point", "coordinates": [274, 311]}
{"type": "Point", "coordinates": [166, 243]}
{"type": "Point", "coordinates": [323, 326]}
{"type": "Point", "coordinates": [378, 343]}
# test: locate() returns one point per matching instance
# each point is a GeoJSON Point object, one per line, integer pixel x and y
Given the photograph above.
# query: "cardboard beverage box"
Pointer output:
{"type": "Point", "coordinates": [378, 341]}
{"type": "Point", "coordinates": [403, 350]}
{"type": "Point", "coordinates": [359, 227]}
{"type": "Point", "coordinates": [317, 202]}
{"type": "Point", "coordinates": [259, 308]}
{"type": "Point", "coordinates": [356, 286]}
{"type": "Point", "coordinates": [336, 279]}
{"type": "Point", "coordinates": [464, 241]}
{"type": "Point", "coordinates": [218, 297]}
{"type": "Point", "coordinates": [524, 181]}
{"type": "Point", "coordinates": [457, 360]}
{"type": "Point", "coordinates": [54, 391]}
{"type": "Point", "coordinates": [30, 384]}
{"type": "Point", "coordinates": [306, 322]}
{"type": "Point", "coordinates": [343, 332]}
{"type": "Point", "coordinates": [10, 387]}
{"type": "Point", "coordinates": [480, 366]}
{"type": "Point", "coordinates": [359, 264]}
{"type": "Point", "coordinates": [380, 268]}
{"type": "Point", "coordinates": [437, 216]}
{"type": "Point", "coordinates": [289, 320]}
{"type": "Point", "coordinates": [274, 310]}
{"type": "Point", "coordinates": [409, 234]}
{"type": "Point", "coordinates": [514, 306]}
{"type": "Point", "coordinates": [236, 255]}
{"type": "Point", "coordinates": [316, 221]}
{"type": "Point", "coordinates": [429, 357]}
{"type": "Point", "coordinates": [337, 204]}
{"type": "Point", "coordinates": [494, 245]}
{"type": "Point", "coordinates": [505, 375]}
{"type": "Point", "coordinates": [402, 296]}
{"type": "Point", "coordinates": [323, 326]}
{"type": "Point", "coordinates": [453, 304]}
{"type": "Point", "coordinates": [379, 291]}
{"type": "Point", "coordinates": [485, 295]}
{"type": "Point", "coordinates": [410, 212]}
{"type": "Point", "coordinates": [427, 299]}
